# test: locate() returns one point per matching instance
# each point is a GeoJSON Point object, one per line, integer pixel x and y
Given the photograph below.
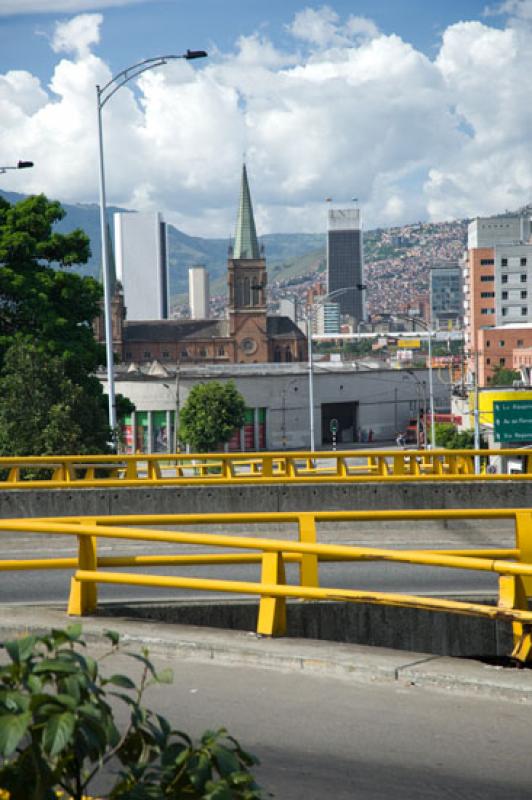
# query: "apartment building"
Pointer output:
{"type": "Point", "coordinates": [496, 310]}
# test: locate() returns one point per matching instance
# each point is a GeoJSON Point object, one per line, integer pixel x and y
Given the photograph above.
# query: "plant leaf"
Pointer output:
{"type": "Point", "coordinates": [58, 732]}
{"type": "Point", "coordinates": [12, 729]}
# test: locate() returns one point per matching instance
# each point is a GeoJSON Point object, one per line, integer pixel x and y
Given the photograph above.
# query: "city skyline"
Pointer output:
{"type": "Point", "coordinates": [322, 100]}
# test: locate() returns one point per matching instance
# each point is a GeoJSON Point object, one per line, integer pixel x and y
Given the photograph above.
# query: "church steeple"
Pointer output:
{"type": "Point", "coordinates": [246, 244]}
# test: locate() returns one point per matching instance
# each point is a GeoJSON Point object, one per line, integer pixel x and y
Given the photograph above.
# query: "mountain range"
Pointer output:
{"type": "Point", "coordinates": [183, 250]}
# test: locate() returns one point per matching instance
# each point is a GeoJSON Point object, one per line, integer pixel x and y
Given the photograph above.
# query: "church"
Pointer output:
{"type": "Point", "coordinates": [247, 335]}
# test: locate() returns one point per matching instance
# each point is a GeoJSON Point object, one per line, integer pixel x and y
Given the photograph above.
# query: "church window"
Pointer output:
{"type": "Point", "coordinates": [277, 354]}
{"type": "Point", "coordinates": [246, 298]}
{"type": "Point", "coordinates": [221, 350]}
{"type": "Point", "coordinates": [288, 354]}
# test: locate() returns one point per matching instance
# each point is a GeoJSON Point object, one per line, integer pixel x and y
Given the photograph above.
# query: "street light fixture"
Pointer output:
{"type": "Point", "coordinates": [103, 95]}
{"type": "Point", "coordinates": [18, 165]}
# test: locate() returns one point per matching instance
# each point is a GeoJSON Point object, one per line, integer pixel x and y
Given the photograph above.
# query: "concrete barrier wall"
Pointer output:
{"type": "Point", "coordinates": [220, 499]}
{"type": "Point", "coordinates": [416, 630]}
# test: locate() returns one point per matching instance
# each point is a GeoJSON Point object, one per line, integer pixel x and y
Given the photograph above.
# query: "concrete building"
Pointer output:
{"type": "Point", "coordinates": [326, 318]}
{"type": "Point", "coordinates": [513, 283]}
{"type": "Point", "coordinates": [369, 405]}
{"type": "Point", "coordinates": [198, 292]}
{"type": "Point", "coordinates": [495, 291]}
{"type": "Point", "coordinates": [141, 264]}
{"type": "Point", "coordinates": [446, 295]}
{"type": "Point", "coordinates": [490, 231]}
{"type": "Point", "coordinates": [345, 261]}
{"type": "Point", "coordinates": [501, 346]}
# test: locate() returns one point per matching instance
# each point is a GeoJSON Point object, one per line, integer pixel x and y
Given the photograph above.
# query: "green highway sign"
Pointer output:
{"type": "Point", "coordinates": [512, 420]}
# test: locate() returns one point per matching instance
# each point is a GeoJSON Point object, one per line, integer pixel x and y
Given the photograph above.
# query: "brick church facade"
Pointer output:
{"type": "Point", "coordinates": [246, 336]}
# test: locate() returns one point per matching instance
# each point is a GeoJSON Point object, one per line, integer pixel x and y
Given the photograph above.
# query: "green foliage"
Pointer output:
{"type": "Point", "coordinates": [42, 411]}
{"type": "Point", "coordinates": [58, 731]}
{"type": "Point", "coordinates": [210, 415]}
{"type": "Point", "coordinates": [52, 306]}
{"type": "Point", "coordinates": [448, 436]}
{"type": "Point", "coordinates": [502, 376]}
{"type": "Point", "coordinates": [51, 401]}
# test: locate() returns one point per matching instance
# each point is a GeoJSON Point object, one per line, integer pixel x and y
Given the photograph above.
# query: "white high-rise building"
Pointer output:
{"type": "Point", "coordinates": [198, 292]}
{"type": "Point", "coordinates": [141, 264]}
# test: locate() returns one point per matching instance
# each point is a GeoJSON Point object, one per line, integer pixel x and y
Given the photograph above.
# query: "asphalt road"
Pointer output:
{"type": "Point", "coordinates": [329, 738]}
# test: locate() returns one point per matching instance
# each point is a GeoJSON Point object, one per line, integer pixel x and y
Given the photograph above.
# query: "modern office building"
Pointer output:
{"type": "Point", "coordinates": [446, 297]}
{"type": "Point", "coordinates": [327, 318]}
{"type": "Point", "coordinates": [345, 262]}
{"type": "Point", "coordinates": [513, 283]}
{"type": "Point", "coordinates": [141, 264]}
{"type": "Point", "coordinates": [198, 292]}
{"type": "Point", "coordinates": [490, 231]}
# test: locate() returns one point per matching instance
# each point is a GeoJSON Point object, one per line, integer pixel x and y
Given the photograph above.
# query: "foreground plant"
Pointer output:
{"type": "Point", "coordinates": [58, 731]}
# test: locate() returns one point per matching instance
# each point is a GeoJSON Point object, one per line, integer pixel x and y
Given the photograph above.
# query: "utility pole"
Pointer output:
{"type": "Point", "coordinates": [476, 417]}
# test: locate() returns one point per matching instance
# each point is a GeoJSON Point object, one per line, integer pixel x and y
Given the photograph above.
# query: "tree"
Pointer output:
{"type": "Point", "coordinates": [502, 376]}
{"type": "Point", "coordinates": [42, 411]}
{"type": "Point", "coordinates": [46, 316]}
{"type": "Point", "coordinates": [448, 436]}
{"type": "Point", "coordinates": [52, 306]}
{"type": "Point", "coordinates": [210, 415]}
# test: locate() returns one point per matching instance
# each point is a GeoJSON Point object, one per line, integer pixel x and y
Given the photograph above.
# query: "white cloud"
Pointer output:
{"type": "Point", "coordinates": [360, 114]}
{"type": "Point", "coordinates": [324, 28]}
{"type": "Point", "coordinates": [77, 35]}
{"type": "Point", "coordinates": [10, 8]}
{"type": "Point", "coordinates": [521, 9]}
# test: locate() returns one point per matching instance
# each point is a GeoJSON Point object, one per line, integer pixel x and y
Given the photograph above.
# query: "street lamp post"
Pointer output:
{"type": "Point", "coordinates": [103, 95]}
{"type": "Point", "coordinates": [18, 165]}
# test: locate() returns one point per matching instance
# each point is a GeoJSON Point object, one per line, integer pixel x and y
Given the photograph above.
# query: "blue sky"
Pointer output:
{"type": "Point", "coordinates": [132, 31]}
{"type": "Point", "coordinates": [417, 108]}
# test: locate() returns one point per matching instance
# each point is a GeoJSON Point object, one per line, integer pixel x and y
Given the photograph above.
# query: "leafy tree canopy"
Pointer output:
{"type": "Point", "coordinates": [502, 376]}
{"type": "Point", "coordinates": [42, 411]}
{"type": "Point", "coordinates": [448, 436]}
{"type": "Point", "coordinates": [52, 306]}
{"type": "Point", "coordinates": [51, 402]}
{"type": "Point", "coordinates": [210, 415]}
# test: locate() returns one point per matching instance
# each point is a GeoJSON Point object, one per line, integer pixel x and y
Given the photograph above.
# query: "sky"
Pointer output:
{"type": "Point", "coordinates": [419, 110]}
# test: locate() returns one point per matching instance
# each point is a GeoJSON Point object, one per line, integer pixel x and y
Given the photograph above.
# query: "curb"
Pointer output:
{"type": "Point", "coordinates": [313, 657]}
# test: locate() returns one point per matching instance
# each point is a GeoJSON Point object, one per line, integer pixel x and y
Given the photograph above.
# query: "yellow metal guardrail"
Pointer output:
{"type": "Point", "coordinates": [242, 468]}
{"type": "Point", "coordinates": [513, 565]}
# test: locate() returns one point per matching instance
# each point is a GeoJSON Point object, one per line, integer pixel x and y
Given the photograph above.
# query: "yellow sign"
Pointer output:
{"type": "Point", "coordinates": [411, 344]}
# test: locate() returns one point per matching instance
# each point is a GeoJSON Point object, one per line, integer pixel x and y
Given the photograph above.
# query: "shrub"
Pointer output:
{"type": "Point", "coordinates": [57, 731]}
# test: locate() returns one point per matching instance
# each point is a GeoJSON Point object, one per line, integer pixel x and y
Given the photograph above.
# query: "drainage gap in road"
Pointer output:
{"type": "Point", "coordinates": [437, 633]}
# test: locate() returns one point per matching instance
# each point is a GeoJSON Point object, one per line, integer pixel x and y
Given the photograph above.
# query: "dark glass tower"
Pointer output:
{"type": "Point", "coordinates": [345, 267]}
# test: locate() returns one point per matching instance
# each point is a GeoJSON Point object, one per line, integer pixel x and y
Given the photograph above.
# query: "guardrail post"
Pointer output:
{"type": "Point", "coordinates": [399, 464]}
{"type": "Point", "coordinates": [308, 570]}
{"type": "Point", "coordinates": [13, 475]}
{"type": "Point", "coordinates": [64, 473]}
{"type": "Point", "coordinates": [341, 467]}
{"type": "Point", "coordinates": [512, 594]}
{"type": "Point", "coordinates": [154, 470]}
{"type": "Point", "coordinates": [272, 610]}
{"type": "Point", "coordinates": [84, 595]}
{"type": "Point", "coordinates": [523, 541]}
{"type": "Point", "coordinates": [267, 466]}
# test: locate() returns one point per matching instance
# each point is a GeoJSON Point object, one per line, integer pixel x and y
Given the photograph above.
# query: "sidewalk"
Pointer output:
{"type": "Point", "coordinates": [328, 659]}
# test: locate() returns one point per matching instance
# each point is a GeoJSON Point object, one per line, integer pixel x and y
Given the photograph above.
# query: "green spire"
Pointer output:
{"type": "Point", "coordinates": [246, 243]}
